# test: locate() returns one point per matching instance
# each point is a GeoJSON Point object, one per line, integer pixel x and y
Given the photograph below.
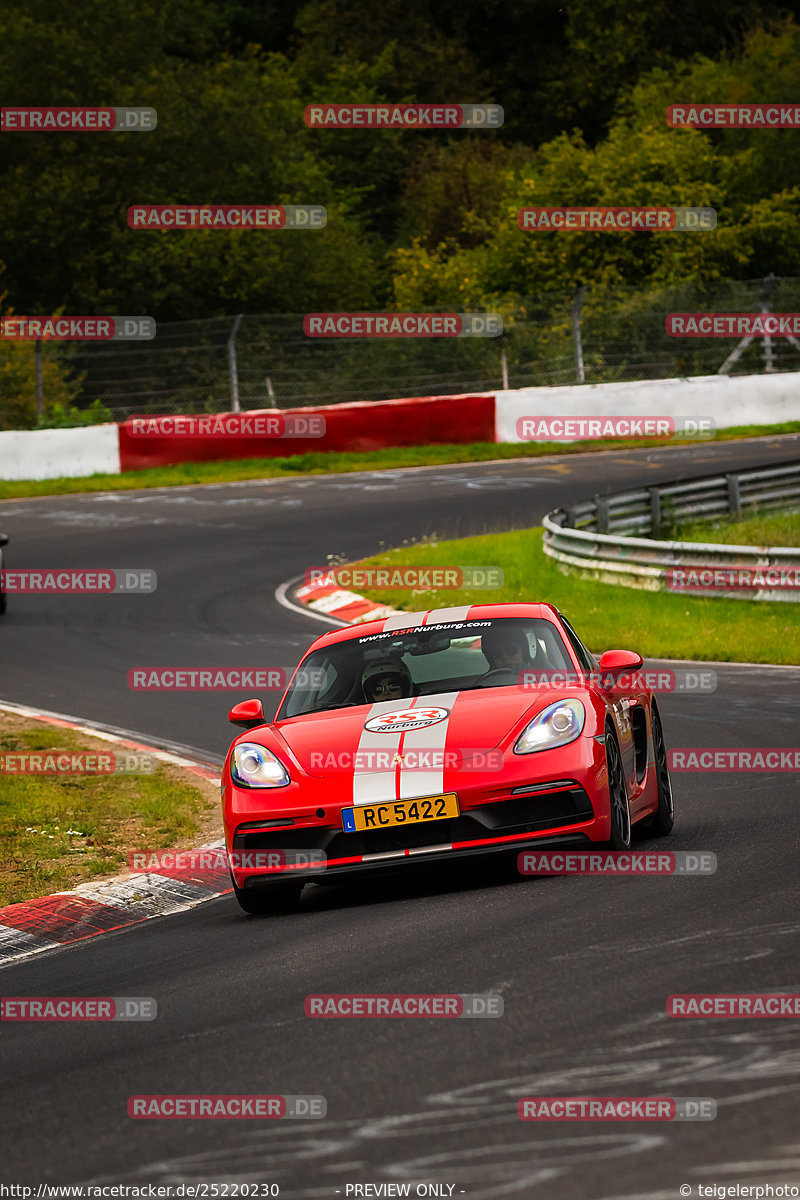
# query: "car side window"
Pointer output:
{"type": "Point", "coordinates": [316, 683]}
{"type": "Point", "coordinates": [581, 653]}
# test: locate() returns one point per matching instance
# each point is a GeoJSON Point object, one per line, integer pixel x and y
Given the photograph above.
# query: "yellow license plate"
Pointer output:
{"type": "Point", "coordinates": [400, 812]}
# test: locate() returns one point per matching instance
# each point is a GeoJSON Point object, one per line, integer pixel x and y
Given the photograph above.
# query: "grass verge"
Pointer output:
{"type": "Point", "coordinates": [763, 529]}
{"type": "Point", "coordinates": [338, 463]}
{"type": "Point", "coordinates": [656, 624]}
{"type": "Point", "coordinates": [58, 831]}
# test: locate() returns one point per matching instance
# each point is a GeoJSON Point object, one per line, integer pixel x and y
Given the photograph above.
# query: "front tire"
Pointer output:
{"type": "Point", "coordinates": [619, 806]}
{"type": "Point", "coordinates": [261, 901]}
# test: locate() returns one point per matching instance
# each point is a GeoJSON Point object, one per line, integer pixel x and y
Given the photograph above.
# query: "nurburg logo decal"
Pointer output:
{"type": "Point", "coordinates": [406, 718]}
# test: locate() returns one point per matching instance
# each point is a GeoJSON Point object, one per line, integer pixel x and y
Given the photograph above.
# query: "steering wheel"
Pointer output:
{"type": "Point", "coordinates": [490, 678]}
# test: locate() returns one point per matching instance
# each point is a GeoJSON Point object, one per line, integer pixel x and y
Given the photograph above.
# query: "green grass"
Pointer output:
{"type": "Point", "coordinates": [58, 831]}
{"type": "Point", "coordinates": [763, 529]}
{"type": "Point", "coordinates": [607, 617]}
{"type": "Point", "coordinates": [337, 463]}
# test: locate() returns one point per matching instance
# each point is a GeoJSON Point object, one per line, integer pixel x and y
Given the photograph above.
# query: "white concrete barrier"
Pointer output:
{"type": "Point", "coordinates": [743, 400]}
{"type": "Point", "coordinates": [53, 453]}
{"type": "Point", "coordinates": [739, 400]}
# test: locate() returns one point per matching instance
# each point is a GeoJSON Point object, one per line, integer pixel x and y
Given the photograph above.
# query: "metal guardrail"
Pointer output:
{"type": "Point", "coordinates": [597, 538]}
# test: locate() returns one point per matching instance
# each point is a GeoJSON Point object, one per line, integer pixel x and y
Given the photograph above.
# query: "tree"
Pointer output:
{"type": "Point", "coordinates": [747, 176]}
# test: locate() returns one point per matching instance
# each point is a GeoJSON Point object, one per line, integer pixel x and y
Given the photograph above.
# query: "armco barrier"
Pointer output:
{"type": "Point", "coordinates": [359, 426]}
{"type": "Point", "coordinates": [727, 400]}
{"type": "Point", "coordinates": [582, 540]}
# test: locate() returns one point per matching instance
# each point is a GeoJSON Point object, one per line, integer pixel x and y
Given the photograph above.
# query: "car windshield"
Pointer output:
{"type": "Point", "coordinates": [423, 661]}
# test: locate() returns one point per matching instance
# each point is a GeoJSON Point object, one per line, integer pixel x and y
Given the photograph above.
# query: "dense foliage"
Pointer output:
{"type": "Point", "coordinates": [414, 218]}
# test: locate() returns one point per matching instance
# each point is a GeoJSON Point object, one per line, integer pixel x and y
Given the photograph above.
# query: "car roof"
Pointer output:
{"type": "Point", "coordinates": [437, 616]}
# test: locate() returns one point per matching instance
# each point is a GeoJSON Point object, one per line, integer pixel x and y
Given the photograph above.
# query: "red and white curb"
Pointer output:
{"type": "Point", "coordinates": [332, 601]}
{"type": "Point", "coordinates": [33, 926]}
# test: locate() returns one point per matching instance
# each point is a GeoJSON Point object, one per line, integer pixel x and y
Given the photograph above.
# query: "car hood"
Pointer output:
{"type": "Point", "coordinates": [367, 737]}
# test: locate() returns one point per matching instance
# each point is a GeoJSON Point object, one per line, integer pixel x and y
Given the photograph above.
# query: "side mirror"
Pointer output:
{"type": "Point", "coordinates": [3, 539]}
{"type": "Point", "coordinates": [248, 714]}
{"type": "Point", "coordinates": [614, 661]}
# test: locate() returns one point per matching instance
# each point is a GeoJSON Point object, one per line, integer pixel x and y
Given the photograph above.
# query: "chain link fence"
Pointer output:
{"type": "Point", "coordinates": [590, 334]}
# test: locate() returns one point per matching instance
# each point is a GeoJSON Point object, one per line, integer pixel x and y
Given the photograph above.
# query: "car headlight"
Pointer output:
{"type": "Point", "coordinates": [255, 766]}
{"type": "Point", "coordinates": [555, 725]}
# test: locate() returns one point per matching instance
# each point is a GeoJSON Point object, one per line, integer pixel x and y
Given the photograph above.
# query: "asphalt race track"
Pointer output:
{"type": "Point", "coordinates": [585, 965]}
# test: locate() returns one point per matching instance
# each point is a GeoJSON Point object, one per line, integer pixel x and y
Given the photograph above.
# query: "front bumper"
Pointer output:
{"type": "Point", "coordinates": [512, 818]}
{"type": "Point", "coordinates": [380, 863]}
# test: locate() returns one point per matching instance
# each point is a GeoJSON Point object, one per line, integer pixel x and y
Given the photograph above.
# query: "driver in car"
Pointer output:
{"type": "Point", "coordinates": [506, 649]}
{"type": "Point", "coordinates": [388, 679]}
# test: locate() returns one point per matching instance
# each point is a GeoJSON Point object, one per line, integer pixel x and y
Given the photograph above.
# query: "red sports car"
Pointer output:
{"type": "Point", "coordinates": [436, 735]}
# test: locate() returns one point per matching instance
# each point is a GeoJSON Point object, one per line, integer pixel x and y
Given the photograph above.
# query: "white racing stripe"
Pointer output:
{"type": "Point", "coordinates": [404, 620]}
{"type": "Point", "coordinates": [416, 779]}
{"type": "Point", "coordinates": [370, 785]}
{"type": "Point", "coordinates": [434, 616]}
{"type": "Point", "coordinates": [376, 783]}
{"type": "Point", "coordinates": [448, 614]}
